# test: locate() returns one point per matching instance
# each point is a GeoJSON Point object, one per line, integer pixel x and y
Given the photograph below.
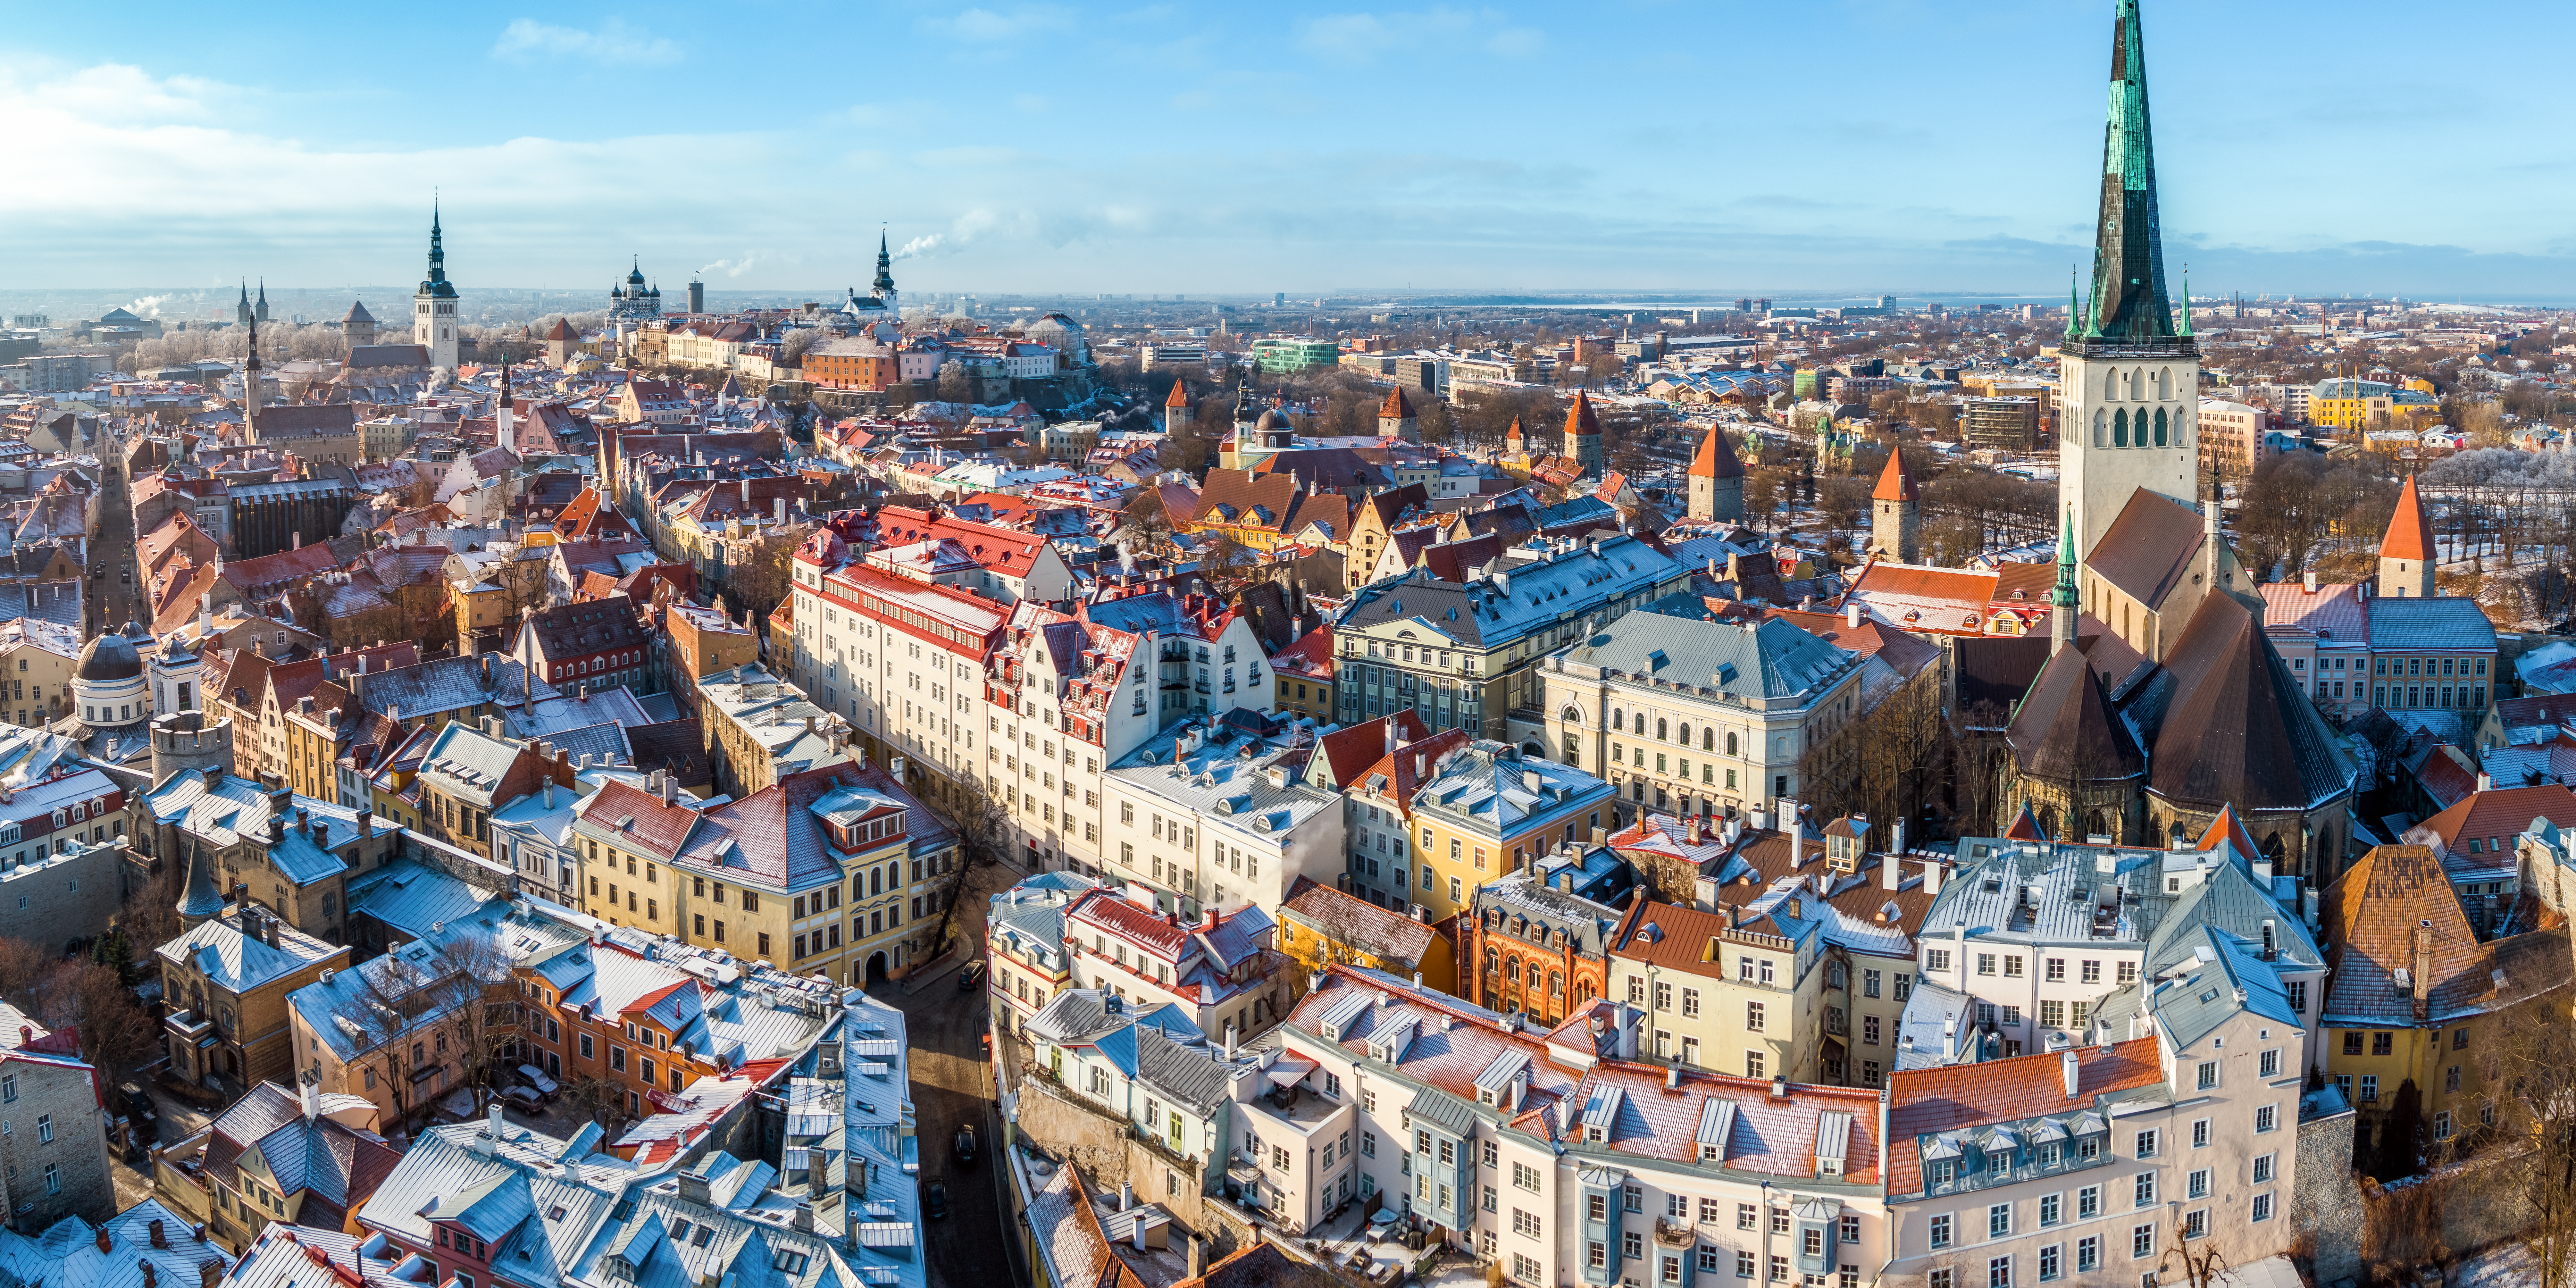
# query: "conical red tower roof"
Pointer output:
{"type": "Point", "coordinates": [1716, 459]}
{"type": "Point", "coordinates": [1896, 483]}
{"type": "Point", "coordinates": [1397, 407]}
{"type": "Point", "coordinates": [1180, 397]}
{"type": "Point", "coordinates": [2410, 533]}
{"type": "Point", "coordinates": [1580, 420]}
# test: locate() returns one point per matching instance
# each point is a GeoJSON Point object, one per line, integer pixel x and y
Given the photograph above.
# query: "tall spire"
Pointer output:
{"type": "Point", "coordinates": [885, 267]}
{"type": "Point", "coordinates": [436, 283]}
{"type": "Point", "coordinates": [2129, 301]}
{"type": "Point", "coordinates": [2074, 307]}
{"type": "Point", "coordinates": [2065, 599]}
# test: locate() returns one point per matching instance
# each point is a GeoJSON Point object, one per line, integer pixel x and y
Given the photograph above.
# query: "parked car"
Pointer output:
{"type": "Point", "coordinates": [523, 1098]}
{"type": "Point", "coordinates": [966, 1146]}
{"type": "Point", "coordinates": [536, 1077]}
{"type": "Point", "coordinates": [937, 1207]}
{"type": "Point", "coordinates": [137, 1105]}
{"type": "Point", "coordinates": [970, 978]}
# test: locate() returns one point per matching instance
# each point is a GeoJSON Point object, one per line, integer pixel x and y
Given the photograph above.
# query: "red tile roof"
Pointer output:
{"type": "Point", "coordinates": [1579, 419]}
{"type": "Point", "coordinates": [2500, 813]}
{"type": "Point", "coordinates": [1922, 1102]}
{"type": "Point", "coordinates": [1180, 397]}
{"type": "Point", "coordinates": [1397, 406]}
{"type": "Point", "coordinates": [1896, 483]}
{"type": "Point", "coordinates": [1716, 459]}
{"type": "Point", "coordinates": [2410, 532]}
{"type": "Point", "coordinates": [1348, 753]}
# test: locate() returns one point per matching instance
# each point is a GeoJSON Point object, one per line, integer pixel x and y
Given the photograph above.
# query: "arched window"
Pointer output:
{"type": "Point", "coordinates": [2101, 428]}
{"type": "Point", "coordinates": [1707, 738]}
{"type": "Point", "coordinates": [2111, 386]}
{"type": "Point", "coordinates": [2093, 825]}
{"type": "Point", "coordinates": [2164, 386]}
{"type": "Point", "coordinates": [2120, 428]}
{"type": "Point", "coordinates": [1556, 983]}
{"type": "Point", "coordinates": [1730, 744]}
{"type": "Point", "coordinates": [1573, 750]}
{"type": "Point", "coordinates": [1685, 738]}
{"type": "Point", "coordinates": [1663, 731]}
{"type": "Point", "coordinates": [1573, 715]}
{"type": "Point", "coordinates": [2160, 426]}
{"type": "Point", "coordinates": [2048, 819]}
{"type": "Point", "coordinates": [1618, 719]}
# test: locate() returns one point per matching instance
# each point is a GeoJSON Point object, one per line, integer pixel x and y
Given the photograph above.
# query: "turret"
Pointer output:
{"type": "Point", "coordinates": [1896, 511]}
{"type": "Point", "coordinates": [2406, 553]}
{"type": "Point", "coordinates": [2064, 601]}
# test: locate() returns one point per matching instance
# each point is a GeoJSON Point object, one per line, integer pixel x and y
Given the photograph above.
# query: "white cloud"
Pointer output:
{"type": "Point", "coordinates": [986, 27]}
{"type": "Point", "coordinates": [612, 42]}
{"type": "Point", "coordinates": [1361, 38]}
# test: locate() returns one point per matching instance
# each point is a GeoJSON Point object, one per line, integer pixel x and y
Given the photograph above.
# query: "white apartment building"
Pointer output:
{"type": "Point", "coordinates": [1216, 814]}
{"type": "Point", "coordinates": [902, 661]}
{"type": "Point", "coordinates": [2034, 936]}
{"type": "Point", "coordinates": [1558, 1155]}
{"type": "Point", "coordinates": [1070, 694]}
{"type": "Point", "coordinates": [2176, 1121]}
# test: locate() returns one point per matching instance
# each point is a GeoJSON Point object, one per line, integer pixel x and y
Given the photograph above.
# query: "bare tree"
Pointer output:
{"type": "Point", "coordinates": [485, 1017]}
{"type": "Point", "coordinates": [2530, 1149]}
{"type": "Point", "coordinates": [394, 1017]}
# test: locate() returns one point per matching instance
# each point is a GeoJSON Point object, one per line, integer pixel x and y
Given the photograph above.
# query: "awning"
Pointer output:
{"type": "Point", "coordinates": [1288, 1069]}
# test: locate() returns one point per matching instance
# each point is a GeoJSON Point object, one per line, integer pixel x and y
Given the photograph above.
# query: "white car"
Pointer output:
{"type": "Point", "coordinates": [537, 1078]}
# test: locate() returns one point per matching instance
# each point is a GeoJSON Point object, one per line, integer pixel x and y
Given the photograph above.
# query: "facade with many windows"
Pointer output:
{"type": "Point", "coordinates": [1558, 1156]}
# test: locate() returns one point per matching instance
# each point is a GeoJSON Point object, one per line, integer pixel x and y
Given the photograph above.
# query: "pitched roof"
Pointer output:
{"type": "Point", "coordinates": [1924, 1102]}
{"type": "Point", "coordinates": [2499, 813]}
{"type": "Point", "coordinates": [1716, 459]}
{"type": "Point", "coordinates": [2148, 548]}
{"type": "Point", "coordinates": [2410, 531]}
{"type": "Point", "coordinates": [2065, 729]}
{"type": "Point", "coordinates": [1344, 754]}
{"type": "Point", "coordinates": [1397, 406]}
{"type": "Point", "coordinates": [1895, 483]}
{"type": "Point", "coordinates": [1180, 396]}
{"type": "Point", "coordinates": [1355, 921]}
{"type": "Point", "coordinates": [2238, 728]}
{"type": "Point", "coordinates": [2395, 909]}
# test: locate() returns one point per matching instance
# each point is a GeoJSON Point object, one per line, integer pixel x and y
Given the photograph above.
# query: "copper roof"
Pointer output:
{"type": "Point", "coordinates": [1896, 483]}
{"type": "Point", "coordinates": [2066, 729]}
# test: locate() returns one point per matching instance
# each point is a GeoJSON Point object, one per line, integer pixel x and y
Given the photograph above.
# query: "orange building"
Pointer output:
{"type": "Point", "coordinates": [857, 363]}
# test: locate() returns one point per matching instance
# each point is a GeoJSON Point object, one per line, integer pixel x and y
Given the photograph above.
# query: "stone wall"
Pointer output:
{"type": "Point", "coordinates": [62, 897]}
{"type": "Point", "coordinates": [2325, 1204]}
{"type": "Point", "coordinates": [1109, 1155]}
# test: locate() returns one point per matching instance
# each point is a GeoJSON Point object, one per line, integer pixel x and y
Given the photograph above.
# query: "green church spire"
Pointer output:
{"type": "Point", "coordinates": [2129, 299]}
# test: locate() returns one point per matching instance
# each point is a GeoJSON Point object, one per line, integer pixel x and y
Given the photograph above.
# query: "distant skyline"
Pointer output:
{"type": "Point", "coordinates": [1853, 146]}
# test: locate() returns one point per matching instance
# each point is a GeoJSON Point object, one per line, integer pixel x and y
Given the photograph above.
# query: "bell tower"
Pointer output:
{"type": "Point", "coordinates": [2129, 378]}
{"type": "Point", "coordinates": [433, 317]}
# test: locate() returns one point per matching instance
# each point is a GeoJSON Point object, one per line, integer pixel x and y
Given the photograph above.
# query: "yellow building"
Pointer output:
{"type": "Point", "coordinates": [1319, 925]}
{"type": "Point", "coordinates": [36, 662]}
{"type": "Point", "coordinates": [1781, 991]}
{"type": "Point", "coordinates": [2345, 403]}
{"type": "Point", "coordinates": [1486, 812]}
{"type": "Point", "coordinates": [834, 870]}
{"type": "Point", "coordinates": [2415, 997]}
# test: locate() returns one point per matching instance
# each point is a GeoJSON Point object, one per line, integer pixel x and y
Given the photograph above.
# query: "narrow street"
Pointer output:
{"type": "Point", "coordinates": [952, 1086]}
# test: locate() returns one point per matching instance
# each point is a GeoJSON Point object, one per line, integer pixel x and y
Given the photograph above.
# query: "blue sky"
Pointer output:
{"type": "Point", "coordinates": [1624, 145]}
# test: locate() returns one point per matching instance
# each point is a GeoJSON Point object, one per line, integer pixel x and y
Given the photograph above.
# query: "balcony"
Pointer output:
{"type": "Point", "coordinates": [1675, 1234]}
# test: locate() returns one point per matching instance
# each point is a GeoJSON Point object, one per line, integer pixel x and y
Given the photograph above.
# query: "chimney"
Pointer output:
{"type": "Point", "coordinates": [160, 1235]}
{"type": "Point", "coordinates": [2067, 1068]}
{"type": "Point", "coordinates": [102, 1239]}
{"type": "Point", "coordinates": [150, 1278]}
{"type": "Point", "coordinates": [270, 931]}
{"type": "Point", "coordinates": [2312, 581]}
{"type": "Point", "coordinates": [1933, 870]}
{"type": "Point", "coordinates": [2486, 781]}
{"type": "Point", "coordinates": [1229, 1039]}
{"type": "Point", "coordinates": [211, 1273]}
{"type": "Point", "coordinates": [1126, 1196]}
{"type": "Point", "coordinates": [1195, 1269]}
{"type": "Point", "coordinates": [2423, 965]}
{"type": "Point", "coordinates": [308, 1087]}
{"type": "Point", "coordinates": [1851, 614]}
{"type": "Point", "coordinates": [2270, 946]}
{"type": "Point", "coordinates": [1891, 870]}
{"type": "Point", "coordinates": [492, 1124]}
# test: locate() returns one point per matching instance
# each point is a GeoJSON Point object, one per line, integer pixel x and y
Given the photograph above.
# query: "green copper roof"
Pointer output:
{"type": "Point", "coordinates": [2065, 596]}
{"type": "Point", "coordinates": [2129, 301]}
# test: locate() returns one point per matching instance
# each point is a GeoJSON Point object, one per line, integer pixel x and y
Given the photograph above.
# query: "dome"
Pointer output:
{"type": "Point", "coordinates": [1273, 419]}
{"type": "Point", "coordinates": [109, 657]}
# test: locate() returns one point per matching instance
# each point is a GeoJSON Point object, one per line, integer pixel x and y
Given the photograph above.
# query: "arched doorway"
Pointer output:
{"type": "Point", "coordinates": [877, 967]}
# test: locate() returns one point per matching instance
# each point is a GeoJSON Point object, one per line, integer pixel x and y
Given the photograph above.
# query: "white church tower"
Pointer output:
{"type": "Point", "coordinates": [2129, 380]}
{"type": "Point", "coordinates": [433, 313]}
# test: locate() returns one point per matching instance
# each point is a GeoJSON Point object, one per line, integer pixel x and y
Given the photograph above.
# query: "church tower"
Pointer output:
{"type": "Point", "coordinates": [1583, 437]}
{"type": "Point", "coordinates": [358, 329]}
{"type": "Point", "coordinates": [242, 312]}
{"type": "Point", "coordinates": [260, 310]}
{"type": "Point", "coordinates": [2129, 381]}
{"type": "Point", "coordinates": [1716, 481]}
{"type": "Point", "coordinates": [1176, 410]}
{"type": "Point", "coordinates": [252, 380]}
{"type": "Point", "coordinates": [1896, 512]}
{"type": "Point", "coordinates": [883, 287]}
{"type": "Point", "coordinates": [2406, 553]}
{"type": "Point", "coordinates": [433, 319]}
{"type": "Point", "coordinates": [2065, 601]}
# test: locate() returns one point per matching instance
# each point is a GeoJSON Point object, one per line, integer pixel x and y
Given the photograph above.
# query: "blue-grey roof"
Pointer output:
{"type": "Point", "coordinates": [2422, 625]}
{"type": "Point", "coordinates": [1765, 659]}
{"type": "Point", "coordinates": [1529, 586]}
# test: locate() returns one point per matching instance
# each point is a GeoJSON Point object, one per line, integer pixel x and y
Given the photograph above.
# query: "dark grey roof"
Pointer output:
{"type": "Point", "coordinates": [1192, 1075]}
{"type": "Point", "coordinates": [109, 657]}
